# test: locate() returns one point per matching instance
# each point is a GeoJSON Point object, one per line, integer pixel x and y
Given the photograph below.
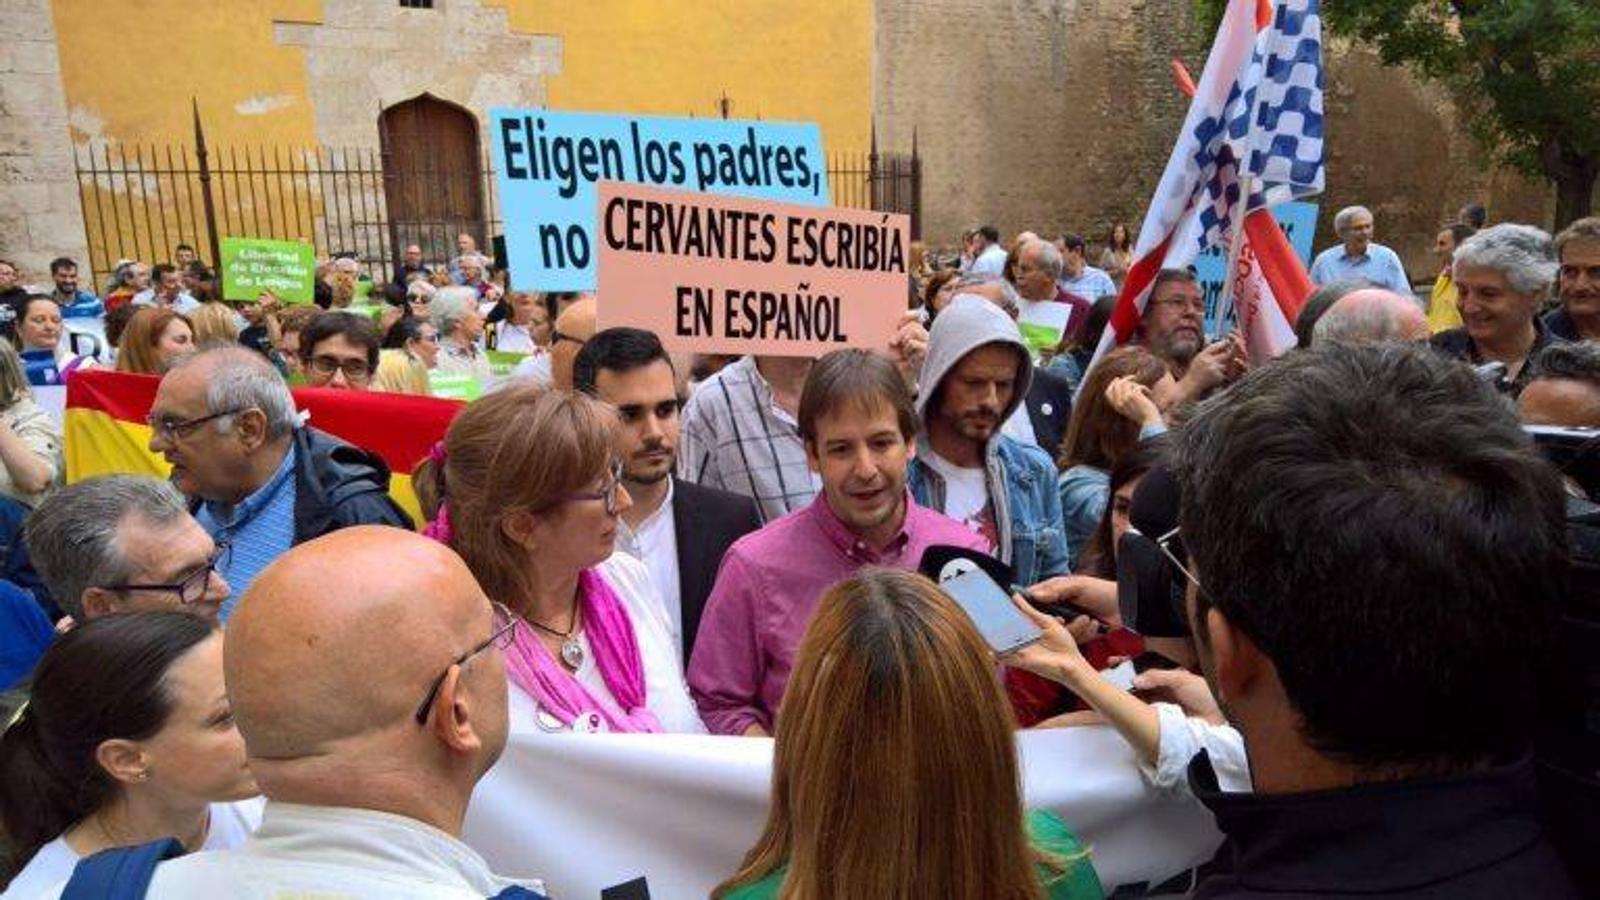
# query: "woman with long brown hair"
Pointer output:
{"type": "Point", "coordinates": [895, 771]}
{"type": "Point", "coordinates": [153, 338]}
{"type": "Point", "coordinates": [1120, 404]}
{"type": "Point", "coordinates": [529, 490]}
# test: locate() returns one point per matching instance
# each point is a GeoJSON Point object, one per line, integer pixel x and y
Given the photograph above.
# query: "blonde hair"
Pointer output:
{"type": "Point", "coordinates": [399, 373]}
{"type": "Point", "coordinates": [920, 795]}
{"type": "Point", "coordinates": [13, 377]}
{"type": "Point", "coordinates": [521, 448]}
{"type": "Point", "coordinates": [214, 323]}
{"type": "Point", "coordinates": [136, 351]}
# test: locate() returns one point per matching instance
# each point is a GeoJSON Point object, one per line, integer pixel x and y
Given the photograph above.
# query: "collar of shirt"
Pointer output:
{"type": "Point", "coordinates": [629, 537]}
{"type": "Point", "coordinates": [1375, 838]}
{"type": "Point", "coordinates": [370, 840]}
{"type": "Point", "coordinates": [1345, 255]}
{"type": "Point", "coordinates": [230, 519]}
{"type": "Point", "coordinates": [849, 544]}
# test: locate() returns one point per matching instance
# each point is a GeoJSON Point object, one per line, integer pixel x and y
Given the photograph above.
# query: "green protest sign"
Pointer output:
{"type": "Point", "coordinates": [453, 386]}
{"type": "Point", "coordinates": [253, 265]}
{"type": "Point", "coordinates": [501, 362]}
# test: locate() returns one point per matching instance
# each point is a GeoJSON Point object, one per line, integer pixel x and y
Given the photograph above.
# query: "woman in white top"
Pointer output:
{"type": "Point", "coordinates": [527, 326]}
{"type": "Point", "coordinates": [531, 494]}
{"type": "Point", "coordinates": [31, 462]}
{"type": "Point", "coordinates": [127, 738]}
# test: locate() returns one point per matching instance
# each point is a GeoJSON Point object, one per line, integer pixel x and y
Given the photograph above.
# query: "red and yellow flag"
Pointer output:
{"type": "Point", "coordinates": [106, 430]}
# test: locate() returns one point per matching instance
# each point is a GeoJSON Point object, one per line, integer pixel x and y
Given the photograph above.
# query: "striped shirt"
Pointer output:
{"type": "Point", "coordinates": [735, 438]}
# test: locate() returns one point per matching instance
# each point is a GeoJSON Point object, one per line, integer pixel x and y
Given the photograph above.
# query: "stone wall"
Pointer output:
{"type": "Point", "coordinates": [1059, 114]}
{"type": "Point", "coordinates": [40, 215]}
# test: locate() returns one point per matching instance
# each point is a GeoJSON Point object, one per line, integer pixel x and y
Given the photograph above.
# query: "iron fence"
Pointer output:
{"type": "Point", "coordinates": [141, 200]}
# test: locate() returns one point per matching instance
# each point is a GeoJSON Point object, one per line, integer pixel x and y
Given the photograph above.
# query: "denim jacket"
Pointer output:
{"type": "Point", "coordinates": [1027, 512]}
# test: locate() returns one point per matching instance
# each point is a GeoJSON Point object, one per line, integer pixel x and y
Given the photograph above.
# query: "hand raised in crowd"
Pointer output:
{"type": "Point", "coordinates": [909, 346]}
{"type": "Point", "coordinates": [1207, 370]}
{"type": "Point", "coordinates": [1097, 595]}
{"type": "Point", "coordinates": [1238, 357]}
{"type": "Point", "coordinates": [1133, 401]}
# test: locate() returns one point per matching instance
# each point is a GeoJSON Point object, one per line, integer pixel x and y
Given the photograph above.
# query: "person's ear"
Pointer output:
{"type": "Point", "coordinates": [251, 427]}
{"type": "Point", "coordinates": [1237, 663]}
{"type": "Point", "coordinates": [812, 459]}
{"type": "Point", "coordinates": [98, 601]}
{"type": "Point", "coordinates": [522, 528]}
{"type": "Point", "coordinates": [123, 760]}
{"type": "Point", "coordinates": [451, 719]}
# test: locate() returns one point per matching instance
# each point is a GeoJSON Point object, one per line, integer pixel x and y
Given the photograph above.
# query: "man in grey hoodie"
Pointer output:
{"type": "Point", "coordinates": [975, 376]}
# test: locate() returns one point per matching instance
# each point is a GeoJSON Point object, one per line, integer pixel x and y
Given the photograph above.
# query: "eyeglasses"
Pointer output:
{"type": "Point", "coordinates": [192, 587]}
{"type": "Point", "coordinates": [608, 492]}
{"type": "Point", "coordinates": [428, 338]}
{"type": "Point", "coordinates": [557, 337]}
{"type": "Point", "coordinates": [169, 429]}
{"type": "Point", "coordinates": [505, 628]}
{"type": "Point", "coordinates": [1190, 304]}
{"type": "Point", "coordinates": [353, 369]}
{"type": "Point", "coordinates": [1165, 543]}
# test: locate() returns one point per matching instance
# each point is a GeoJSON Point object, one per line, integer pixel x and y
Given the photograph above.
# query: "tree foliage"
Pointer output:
{"type": "Point", "coordinates": [1526, 74]}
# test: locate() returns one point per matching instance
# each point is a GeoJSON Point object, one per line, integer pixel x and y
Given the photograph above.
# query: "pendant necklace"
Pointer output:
{"type": "Point", "coordinates": [571, 650]}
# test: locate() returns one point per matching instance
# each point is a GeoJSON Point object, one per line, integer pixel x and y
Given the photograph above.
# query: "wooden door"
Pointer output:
{"type": "Point", "coordinates": [432, 175]}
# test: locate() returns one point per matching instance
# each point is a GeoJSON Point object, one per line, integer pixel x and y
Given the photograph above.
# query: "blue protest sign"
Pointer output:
{"type": "Point", "coordinates": [547, 163]}
{"type": "Point", "coordinates": [1299, 223]}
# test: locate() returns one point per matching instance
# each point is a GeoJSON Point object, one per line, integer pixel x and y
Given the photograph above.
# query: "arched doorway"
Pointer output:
{"type": "Point", "coordinates": [433, 183]}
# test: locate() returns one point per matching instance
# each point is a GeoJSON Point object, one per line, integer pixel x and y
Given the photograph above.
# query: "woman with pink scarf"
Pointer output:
{"type": "Point", "coordinates": [530, 489]}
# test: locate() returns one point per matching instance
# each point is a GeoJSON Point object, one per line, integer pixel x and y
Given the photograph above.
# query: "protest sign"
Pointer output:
{"type": "Point", "coordinates": [714, 274]}
{"type": "Point", "coordinates": [503, 362]}
{"type": "Point", "coordinates": [454, 386]}
{"type": "Point", "coordinates": [1299, 223]}
{"type": "Point", "coordinates": [547, 165]}
{"type": "Point", "coordinates": [253, 265]}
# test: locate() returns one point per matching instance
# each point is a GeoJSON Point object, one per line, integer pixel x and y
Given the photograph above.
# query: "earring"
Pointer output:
{"type": "Point", "coordinates": [144, 775]}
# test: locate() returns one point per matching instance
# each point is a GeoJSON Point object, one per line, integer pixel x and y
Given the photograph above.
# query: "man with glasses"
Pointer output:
{"type": "Point", "coordinates": [339, 350]}
{"type": "Point", "coordinates": [1174, 329]}
{"type": "Point", "coordinates": [679, 530]}
{"type": "Point", "coordinates": [123, 543]}
{"type": "Point", "coordinates": [367, 722]}
{"type": "Point", "coordinates": [258, 479]}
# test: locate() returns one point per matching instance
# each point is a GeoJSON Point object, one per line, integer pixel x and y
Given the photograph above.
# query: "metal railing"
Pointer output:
{"type": "Point", "coordinates": [140, 201]}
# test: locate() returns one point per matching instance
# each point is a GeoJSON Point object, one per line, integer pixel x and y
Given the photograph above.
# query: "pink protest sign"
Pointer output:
{"type": "Point", "coordinates": [710, 273]}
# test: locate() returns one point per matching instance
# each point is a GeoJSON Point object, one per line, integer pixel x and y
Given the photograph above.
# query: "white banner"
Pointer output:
{"type": "Point", "coordinates": [585, 812]}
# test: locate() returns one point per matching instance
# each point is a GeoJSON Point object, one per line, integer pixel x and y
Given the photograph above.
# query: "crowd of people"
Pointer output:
{"type": "Point", "coordinates": [1342, 575]}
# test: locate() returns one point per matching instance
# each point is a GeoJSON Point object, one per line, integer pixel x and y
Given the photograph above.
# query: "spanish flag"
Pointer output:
{"type": "Point", "coordinates": [106, 431]}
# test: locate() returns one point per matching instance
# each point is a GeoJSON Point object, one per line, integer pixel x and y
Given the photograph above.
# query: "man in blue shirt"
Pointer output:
{"type": "Point", "coordinates": [1077, 276]}
{"type": "Point", "coordinates": [73, 300]}
{"type": "Point", "coordinates": [1358, 258]}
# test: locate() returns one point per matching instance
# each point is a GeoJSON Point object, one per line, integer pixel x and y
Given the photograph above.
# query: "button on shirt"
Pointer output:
{"type": "Point", "coordinates": [260, 528]}
{"type": "Point", "coordinates": [655, 543]}
{"type": "Point", "coordinates": [769, 586]}
{"type": "Point", "coordinates": [1378, 265]}
{"type": "Point", "coordinates": [735, 438]}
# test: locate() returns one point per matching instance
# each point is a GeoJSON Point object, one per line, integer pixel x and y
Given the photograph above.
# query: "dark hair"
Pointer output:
{"type": "Point", "coordinates": [1164, 276]}
{"type": "Point", "coordinates": [161, 269]}
{"type": "Point", "coordinates": [199, 271]}
{"type": "Point", "coordinates": [1576, 361]}
{"type": "Point", "coordinates": [182, 247]}
{"type": "Point", "coordinates": [1073, 241]}
{"type": "Point", "coordinates": [356, 328]}
{"type": "Point", "coordinates": [934, 284]}
{"type": "Point", "coordinates": [1373, 518]}
{"type": "Point", "coordinates": [322, 294]}
{"type": "Point", "coordinates": [858, 377]}
{"type": "Point", "coordinates": [1476, 215]}
{"type": "Point", "coordinates": [1098, 559]}
{"type": "Point", "coordinates": [989, 233]}
{"type": "Point", "coordinates": [1460, 231]}
{"type": "Point", "coordinates": [617, 349]}
{"type": "Point", "coordinates": [104, 679]}
{"type": "Point", "coordinates": [1127, 237]}
{"type": "Point", "coordinates": [1094, 327]}
{"type": "Point", "coordinates": [406, 328]}
{"type": "Point", "coordinates": [117, 321]}
{"type": "Point", "coordinates": [62, 262]}
{"type": "Point", "coordinates": [1317, 305]}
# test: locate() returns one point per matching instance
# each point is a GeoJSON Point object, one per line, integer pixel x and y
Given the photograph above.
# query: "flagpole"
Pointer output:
{"type": "Point", "coordinates": [1225, 309]}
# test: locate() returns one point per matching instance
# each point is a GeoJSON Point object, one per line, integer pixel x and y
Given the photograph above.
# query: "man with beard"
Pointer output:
{"type": "Point", "coordinates": [858, 422]}
{"type": "Point", "coordinates": [1174, 330]}
{"type": "Point", "coordinates": [975, 376]}
{"type": "Point", "coordinates": [677, 529]}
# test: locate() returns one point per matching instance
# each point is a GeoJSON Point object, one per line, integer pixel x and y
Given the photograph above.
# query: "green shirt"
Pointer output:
{"type": "Point", "coordinates": [1046, 831]}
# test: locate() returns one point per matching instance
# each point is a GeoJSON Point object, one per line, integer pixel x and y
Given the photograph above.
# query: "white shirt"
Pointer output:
{"type": "Point", "coordinates": [509, 338]}
{"type": "Point", "coordinates": [991, 263]}
{"type": "Point", "coordinates": [1184, 736]}
{"type": "Point", "coordinates": [655, 544]}
{"type": "Point", "coordinates": [333, 853]}
{"type": "Point", "coordinates": [966, 495]}
{"type": "Point", "coordinates": [535, 368]}
{"type": "Point", "coordinates": [666, 693]}
{"type": "Point", "coordinates": [184, 303]}
{"type": "Point", "coordinates": [47, 872]}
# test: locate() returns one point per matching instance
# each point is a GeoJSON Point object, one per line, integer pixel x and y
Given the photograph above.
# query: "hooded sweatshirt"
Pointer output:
{"type": "Point", "coordinates": [1021, 480]}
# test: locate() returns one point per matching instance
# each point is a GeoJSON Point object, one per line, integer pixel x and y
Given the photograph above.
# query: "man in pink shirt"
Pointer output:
{"type": "Point", "coordinates": [858, 421]}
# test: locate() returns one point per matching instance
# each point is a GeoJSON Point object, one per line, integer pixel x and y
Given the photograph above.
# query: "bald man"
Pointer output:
{"type": "Point", "coordinates": [258, 479]}
{"type": "Point", "coordinates": [1371, 315]}
{"type": "Point", "coordinates": [365, 674]}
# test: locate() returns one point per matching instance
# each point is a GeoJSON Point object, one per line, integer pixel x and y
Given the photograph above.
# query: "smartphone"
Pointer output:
{"type": "Point", "coordinates": [1002, 625]}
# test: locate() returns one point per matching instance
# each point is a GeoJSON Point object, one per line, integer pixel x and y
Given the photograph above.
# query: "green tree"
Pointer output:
{"type": "Point", "coordinates": [1525, 75]}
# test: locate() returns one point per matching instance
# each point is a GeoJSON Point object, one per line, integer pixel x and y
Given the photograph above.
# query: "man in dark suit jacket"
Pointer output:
{"type": "Point", "coordinates": [677, 529]}
{"type": "Point", "coordinates": [1049, 403]}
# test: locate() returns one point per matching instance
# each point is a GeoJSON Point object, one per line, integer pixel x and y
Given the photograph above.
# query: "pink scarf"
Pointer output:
{"type": "Point", "coordinates": [531, 667]}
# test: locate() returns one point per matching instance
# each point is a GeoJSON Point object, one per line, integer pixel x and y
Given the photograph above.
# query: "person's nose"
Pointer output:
{"type": "Point", "coordinates": [338, 379]}
{"type": "Point", "coordinates": [624, 501]}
